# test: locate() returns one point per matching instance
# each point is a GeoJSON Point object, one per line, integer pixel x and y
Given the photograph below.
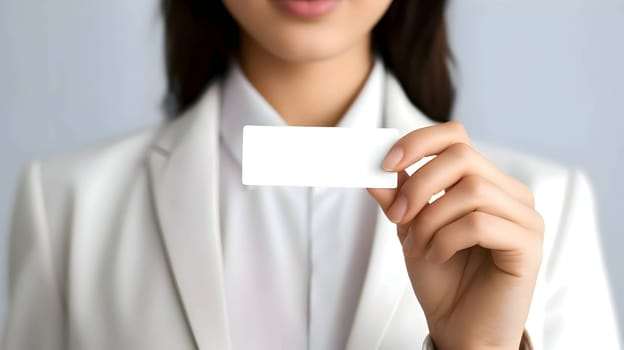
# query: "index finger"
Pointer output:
{"type": "Point", "coordinates": [420, 143]}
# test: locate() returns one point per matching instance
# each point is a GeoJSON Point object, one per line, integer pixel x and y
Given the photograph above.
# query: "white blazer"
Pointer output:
{"type": "Point", "coordinates": [118, 247]}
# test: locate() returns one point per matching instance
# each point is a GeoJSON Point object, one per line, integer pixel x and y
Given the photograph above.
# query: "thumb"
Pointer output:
{"type": "Point", "coordinates": [385, 196]}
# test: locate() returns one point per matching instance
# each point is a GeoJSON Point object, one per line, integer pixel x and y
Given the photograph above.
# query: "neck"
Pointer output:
{"type": "Point", "coordinates": [312, 93]}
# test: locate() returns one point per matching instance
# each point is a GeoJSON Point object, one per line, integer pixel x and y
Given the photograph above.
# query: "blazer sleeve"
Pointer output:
{"type": "Point", "coordinates": [579, 312]}
{"type": "Point", "coordinates": [35, 316]}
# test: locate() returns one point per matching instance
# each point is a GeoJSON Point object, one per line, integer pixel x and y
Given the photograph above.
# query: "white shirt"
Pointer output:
{"type": "Point", "coordinates": [294, 257]}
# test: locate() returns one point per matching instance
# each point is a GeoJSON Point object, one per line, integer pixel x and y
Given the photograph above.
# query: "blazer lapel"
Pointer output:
{"type": "Point", "coordinates": [183, 168]}
{"type": "Point", "coordinates": [386, 278]}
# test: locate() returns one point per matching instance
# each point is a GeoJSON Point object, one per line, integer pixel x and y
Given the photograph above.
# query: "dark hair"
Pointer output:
{"type": "Point", "coordinates": [201, 37]}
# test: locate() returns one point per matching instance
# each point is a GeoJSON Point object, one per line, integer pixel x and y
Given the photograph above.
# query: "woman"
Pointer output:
{"type": "Point", "coordinates": [152, 242]}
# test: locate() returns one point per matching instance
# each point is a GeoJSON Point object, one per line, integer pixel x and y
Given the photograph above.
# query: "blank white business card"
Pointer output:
{"type": "Point", "coordinates": [317, 156]}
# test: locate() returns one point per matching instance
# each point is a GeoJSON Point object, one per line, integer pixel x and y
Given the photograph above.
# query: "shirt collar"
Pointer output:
{"type": "Point", "coordinates": [242, 105]}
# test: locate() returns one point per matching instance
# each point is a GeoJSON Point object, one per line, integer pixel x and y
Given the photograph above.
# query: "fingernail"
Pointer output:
{"type": "Point", "coordinates": [397, 210]}
{"type": "Point", "coordinates": [393, 158]}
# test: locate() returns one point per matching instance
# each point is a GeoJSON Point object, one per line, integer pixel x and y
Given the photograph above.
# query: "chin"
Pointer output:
{"type": "Point", "coordinates": [297, 39]}
{"type": "Point", "coordinates": [308, 47]}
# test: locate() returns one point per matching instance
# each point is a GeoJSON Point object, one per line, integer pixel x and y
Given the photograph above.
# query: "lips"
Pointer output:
{"type": "Point", "coordinates": [308, 9]}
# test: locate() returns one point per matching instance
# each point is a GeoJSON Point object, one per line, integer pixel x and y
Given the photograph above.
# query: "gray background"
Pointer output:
{"type": "Point", "coordinates": [545, 77]}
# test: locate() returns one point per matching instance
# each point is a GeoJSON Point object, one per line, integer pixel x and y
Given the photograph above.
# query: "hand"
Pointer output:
{"type": "Point", "coordinates": [473, 254]}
